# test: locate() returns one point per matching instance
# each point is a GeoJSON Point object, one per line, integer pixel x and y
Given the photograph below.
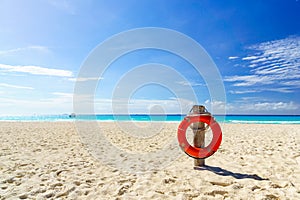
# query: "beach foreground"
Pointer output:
{"type": "Point", "coordinates": [47, 160]}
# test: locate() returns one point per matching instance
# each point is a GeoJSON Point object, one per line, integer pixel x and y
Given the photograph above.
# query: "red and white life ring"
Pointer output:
{"type": "Point", "coordinates": [196, 152]}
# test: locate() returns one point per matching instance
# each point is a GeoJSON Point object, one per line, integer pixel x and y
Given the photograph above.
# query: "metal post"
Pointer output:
{"type": "Point", "coordinates": [199, 133]}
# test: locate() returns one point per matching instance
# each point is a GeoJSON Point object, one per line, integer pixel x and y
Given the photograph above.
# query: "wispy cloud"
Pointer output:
{"type": "Point", "coordinates": [63, 94]}
{"type": "Point", "coordinates": [256, 90]}
{"type": "Point", "coordinates": [15, 86]}
{"type": "Point", "coordinates": [250, 58]}
{"type": "Point", "coordinates": [233, 57]}
{"type": "Point", "coordinates": [292, 83]}
{"type": "Point", "coordinates": [276, 62]}
{"type": "Point", "coordinates": [270, 106]}
{"type": "Point", "coordinates": [157, 106]}
{"type": "Point", "coordinates": [218, 107]}
{"type": "Point", "coordinates": [38, 48]}
{"type": "Point", "coordinates": [249, 80]}
{"type": "Point", "coordinates": [192, 84]}
{"type": "Point", "coordinates": [82, 79]}
{"type": "Point", "coordinates": [36, 70]}
{"type": "Point", "coordinates": [243, 91]}
{"type": "Point", "coordinates": [54, 105]}
{"type": "Point", "coordinates": [253, 105]}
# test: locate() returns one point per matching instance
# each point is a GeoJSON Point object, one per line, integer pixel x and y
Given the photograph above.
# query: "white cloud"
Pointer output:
{"type": "Point", "coordinates": [259, 60]}
{"type": "Point", "coordinates": [278, 52]}
{"type": "Point", "coordinates": [253, 65]}
{"type": "Point", "coordinates": [270, 70]}
{"type": "Point", "coordinates": [250, 58]}
{"type": "Point", "coordinates": [270, 106]}
{"type": "Point", "coordinates": [238, 78]}
{"type": "Point", "coordinates": [292, 83]}
{"type": "Point", "coordinates": [82, 79]}
{"type": "Point", "coordinates": [245, 91]}
{"type": "Point", "coordinates": [233, 57]}
{"type": "Point", "coordinates": [36, 70]}
{"type": "Point", "coordinates": [38, 48]}
{"type": "Point", "coordinates": [242, 91]}
{"type": "Point", "coordinates": [217, 107]}
{"type": "Point", "coordinates": [192, 84]}
{"type": "Point", "coordinates": [250, 105]}
{"type": "Point", "coordinates": [54, 105]}
{"type": "Point", "coordinates": [276, 62]}
{"type": "Point", "coordinates": [134, 106]}
{"type": "Point", "coordinates": [62, 94]}
{"type": "Point", "coordinates": [249, 80]}
{"type": "Point", "coordinates": [83, 104]}
{"type": "Point", "coordinates": [15, 86]}
{"type": "Point", "coordinates": [280, 89]}
{"type": "Point", "coordinates": [137, 106]}
{"type": "Point", "coordinates": [256, 90]}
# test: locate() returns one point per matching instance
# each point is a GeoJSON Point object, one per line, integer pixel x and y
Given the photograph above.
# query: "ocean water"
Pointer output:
{"type": "Point", "coordinates": [249, 119]}
{"type": "Point", "coordinates": [263, 119]}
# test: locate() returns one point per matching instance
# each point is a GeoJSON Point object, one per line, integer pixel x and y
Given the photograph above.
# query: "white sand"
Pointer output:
{"type": "Point", "coordinates": [48, 161]}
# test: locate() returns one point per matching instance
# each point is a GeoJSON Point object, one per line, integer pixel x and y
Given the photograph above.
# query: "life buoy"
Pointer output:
{"type": "Point", "coordinates": [194, 151]}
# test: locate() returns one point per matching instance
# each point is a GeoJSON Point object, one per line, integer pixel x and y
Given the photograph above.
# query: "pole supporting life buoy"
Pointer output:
{"type": "Point", "coordinates": [195, 152]}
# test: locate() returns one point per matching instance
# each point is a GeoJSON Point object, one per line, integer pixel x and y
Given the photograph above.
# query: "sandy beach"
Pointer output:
{"type": "Point", "coordinates": [47, 160]}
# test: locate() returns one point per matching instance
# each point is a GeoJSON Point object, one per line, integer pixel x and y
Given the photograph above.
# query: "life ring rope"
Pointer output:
{"type": "Point", "coordinates": [195, 152]}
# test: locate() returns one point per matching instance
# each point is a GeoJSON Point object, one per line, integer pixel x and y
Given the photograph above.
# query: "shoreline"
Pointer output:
{"type": "Point", "coordinates": [227, 119]}
{"type": "Point", "coordinates": [133, 121]}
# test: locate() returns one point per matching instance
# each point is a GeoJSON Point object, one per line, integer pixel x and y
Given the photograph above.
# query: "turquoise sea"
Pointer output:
{"type": "Point", "coordinates": [249, 119]}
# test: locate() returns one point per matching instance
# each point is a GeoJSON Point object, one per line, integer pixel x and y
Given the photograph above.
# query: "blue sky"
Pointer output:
{"type": "Point", "coordinates": [255, 45]}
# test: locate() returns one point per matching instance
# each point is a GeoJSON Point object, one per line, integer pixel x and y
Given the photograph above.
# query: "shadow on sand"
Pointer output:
{"type": "Point", "coordinates": [224, 172]}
